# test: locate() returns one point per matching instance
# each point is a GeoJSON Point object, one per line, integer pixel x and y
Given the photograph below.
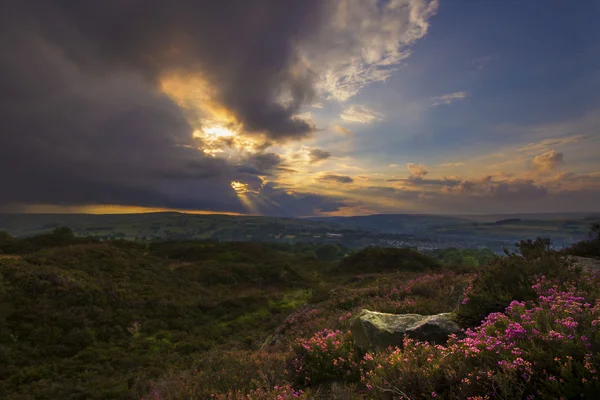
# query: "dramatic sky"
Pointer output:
{"type": "Point", "coordinates": [300, 107]}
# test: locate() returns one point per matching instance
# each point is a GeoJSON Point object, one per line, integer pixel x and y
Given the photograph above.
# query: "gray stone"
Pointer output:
{"type": "Point", "coordinates": [591, 264]}
{"type": "Point", "coordinates": [375, 330]}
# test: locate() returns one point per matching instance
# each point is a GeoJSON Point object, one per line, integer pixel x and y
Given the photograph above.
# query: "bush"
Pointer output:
{"type": "Point", "coordinates": [326, 356]}
{"type": "Point", "coordinates": [508, 278]}
{"type": "Point", "coordinates": [465, 257]}
{"type": "Point", "coordinates": [376, 259]}
{"type": "Point", "coordinates": [545, 348]}
{"type": "Point", "coordinates": [328, 252]}
{"type": "Point", "coordinates": [425, 294]}
{"type": "Point", "coordinates": [228, 375]}
{"type": "Point", "coordinates": [587, 248]}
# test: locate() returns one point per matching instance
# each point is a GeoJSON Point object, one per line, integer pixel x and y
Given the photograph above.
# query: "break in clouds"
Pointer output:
{"type": "Point", "coordinates": [84, 120]}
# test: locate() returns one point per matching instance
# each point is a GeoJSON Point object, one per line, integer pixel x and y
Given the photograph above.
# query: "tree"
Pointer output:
{"type": "Point", "coordinates": [470, 260]}
{"type": "Point", "coordinates": [594, 233]}
{"type": "Point", "coordinates": [327, 252]}
{"type": "Point", "coordinates": [63, 231]}
{"type": "Point", "coordinates": [7, 242]}
{"type": "Point", "coordinates": [532, 249]}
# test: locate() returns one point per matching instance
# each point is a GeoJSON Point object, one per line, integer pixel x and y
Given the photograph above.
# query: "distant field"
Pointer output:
{"type": "Point", "coordinates": [164, 226]}
{"type": "Point", "coordinates": [478, 231]}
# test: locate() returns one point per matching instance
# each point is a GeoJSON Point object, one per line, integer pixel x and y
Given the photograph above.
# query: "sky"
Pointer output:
{"type": "Point", "coordinates": [300, 107]}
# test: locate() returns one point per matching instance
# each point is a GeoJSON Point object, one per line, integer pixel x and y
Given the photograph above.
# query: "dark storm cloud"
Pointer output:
{"type": "Point", "coordinates": [263, 163]}
{"type": "Point", "coordinates": [70, 137]}
{"type": "Point", "coordinates": [82, 120]}
{"type": "Point", "coordinates": [244, 48]}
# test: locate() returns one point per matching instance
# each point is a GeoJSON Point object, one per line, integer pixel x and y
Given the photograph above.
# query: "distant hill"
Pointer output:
{"type": "Point", "coordinates": [164, 225]}
{"type": "Point", "coordinates": [392, 230]}
{"type": "Point", "coordinates": [393, 223]}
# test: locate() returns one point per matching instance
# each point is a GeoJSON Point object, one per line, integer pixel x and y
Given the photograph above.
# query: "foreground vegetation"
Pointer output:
{"type": "Point", "coordinates": [81, 319]}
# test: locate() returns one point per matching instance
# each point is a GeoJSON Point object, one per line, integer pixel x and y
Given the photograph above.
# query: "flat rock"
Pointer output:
{"type": "Point", "coordinates": [375, 330]}
{"type": "Point", "coordinates": [591, 264]}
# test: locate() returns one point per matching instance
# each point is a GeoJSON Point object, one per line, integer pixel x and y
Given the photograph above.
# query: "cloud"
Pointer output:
{"type": "Point", "coordinates": [519, 188]}
{"type": "Point", "coordinates": [275, 200]}
{"type": "Point", "coordinates": [552, 142]}
{"type": "Point", "coordinates": [454, 164]}
{"type": "Point", "coordinates": [425, 196]}
{"type": "Point", "coordinates": [417, 171]}
{"type": "Point", "coordinates": [74, 137]}
{"type": "Point", "coordinates": [336, 178]}
{"type": "Point", "coordinates": [485, 194]}
{"type": "Point", "coordinates": [364, 41]}
{"type": "Point", "coordinates": [548, 161]}
{"type": "Point", "coordinates": [574, 182]}
{"type": "Point", "coordinates": [496, 187]}
{"type": "Point", "coordinates": [360, 114]}
{"type": "Point", "coordinates": [288, 170]}
{"type": "Point", "coordinates": [448, 98]}
{"type": "Point", "coordinates": [317, 155]}
{"type": "Point", "coordinates": [247, 72]}
{"type": "Point", "coordinates": [264, 162]}
{"type": "Point", "coordinates": [340, 129]}
{"type": "Point", "coordinates": [89, 122]}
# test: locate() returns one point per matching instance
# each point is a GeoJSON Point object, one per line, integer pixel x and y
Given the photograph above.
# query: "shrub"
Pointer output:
{"type": "Point", "coordinates": [426, 294]}
{"type": "Point", "coordinates": [326, 356]}
{"type": "Point", "coordinates": [545, 348]}
{"type": "Point", "coordinates": [376, 259]}
{"type": "Point", "coordinates": [508, 278]}
{"type": "Point", "coordinates": [228, 375]}
{"type": "Point", "coordinates": [328, 252]}
{"type": "Point", "coordinates": [587, 248]}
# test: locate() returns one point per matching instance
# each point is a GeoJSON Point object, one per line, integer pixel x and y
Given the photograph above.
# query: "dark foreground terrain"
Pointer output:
{"type": "Point", "coordinates": [88, 319]}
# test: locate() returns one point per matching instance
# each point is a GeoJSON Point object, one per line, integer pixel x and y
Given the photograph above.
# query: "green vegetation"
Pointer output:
{"type": "Point", "coordinates": [88, 319]}
{"type": "Point", "coordinates": [467, 257]}
{"type": "Point", "coordinates": [376, 259]}
{"type": "Point", "coordinates": [397, 230]}
{"type": "Point", "coordinates": [589, 247]}
{"type": "Point", "coordinates": [172, 226]}
{"type": "Point", "coordinates": [508, 278]}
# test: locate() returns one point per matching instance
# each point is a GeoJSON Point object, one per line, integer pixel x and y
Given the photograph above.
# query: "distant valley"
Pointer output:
{"type": "Point", "coordinates": [390, 230]}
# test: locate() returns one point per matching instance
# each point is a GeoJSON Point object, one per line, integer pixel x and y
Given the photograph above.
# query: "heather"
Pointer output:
{"type": "Point", "coordinates": [532, 333]}
{"type": "Point", "coordinates": [208, 320]}
{"type": "Point", "coordinates": [545, 348]}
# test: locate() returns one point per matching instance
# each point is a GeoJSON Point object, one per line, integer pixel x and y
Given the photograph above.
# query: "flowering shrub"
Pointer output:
{"type": "Point", "coordinates": [235, 374]}
{"type": "Point", "coordinates": [546, 348]}
{"type": "Point", "coordinates": [534, 334]}
{"type": "Point", "coordinates": [425, 294]}
{"type": "Point", "coordinates": [283, 392]}
{"type": "Point", "coordinates": [413, 372]}
{"type": "Point", "coordinates": [326, 356]}
{"type": "Point", "coordinates": [509, 278]}
{"type": "Point", "coordinates": [305, 322]}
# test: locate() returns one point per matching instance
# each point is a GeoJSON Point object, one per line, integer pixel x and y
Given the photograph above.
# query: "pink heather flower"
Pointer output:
{"type": "Point", "coordinates": [433, 394]}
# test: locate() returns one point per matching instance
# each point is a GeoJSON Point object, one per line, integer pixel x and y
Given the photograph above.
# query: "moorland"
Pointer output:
{"type": "Point", "coordinates": [82, 318]}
